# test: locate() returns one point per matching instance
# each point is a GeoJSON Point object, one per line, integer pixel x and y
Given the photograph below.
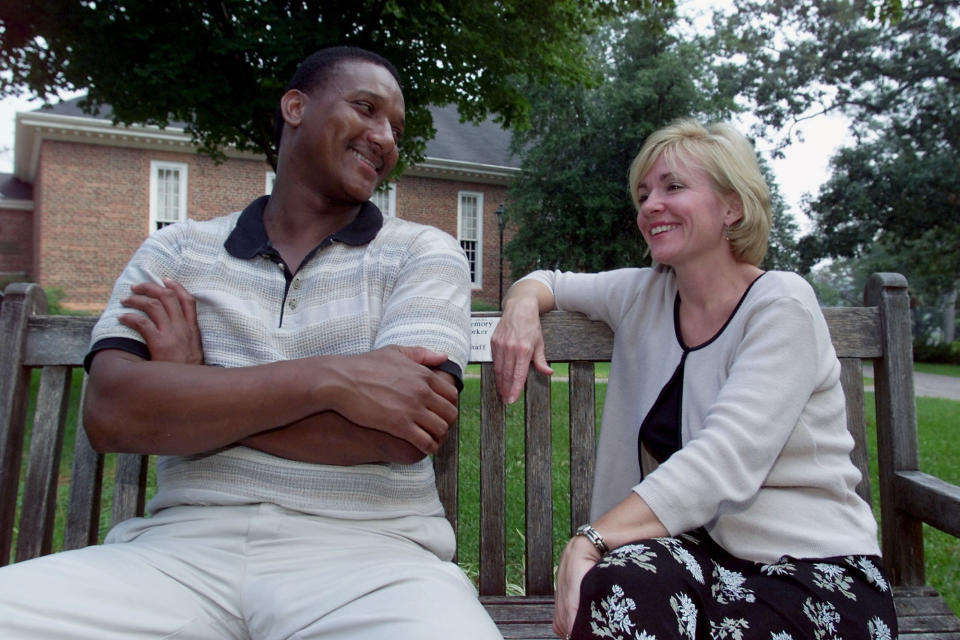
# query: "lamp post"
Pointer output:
{"type": "Point", "coordinates": [500, 223]}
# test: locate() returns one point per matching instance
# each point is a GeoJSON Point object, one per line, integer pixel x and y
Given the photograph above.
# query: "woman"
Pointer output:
{"type": "Point", "coordinates": [723, 503]}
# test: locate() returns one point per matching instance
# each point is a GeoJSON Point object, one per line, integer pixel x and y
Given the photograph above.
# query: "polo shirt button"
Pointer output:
{"type": "Point", "coordinates": [293, 304]}
{"type": "Point", "coordinates": [296, 283]}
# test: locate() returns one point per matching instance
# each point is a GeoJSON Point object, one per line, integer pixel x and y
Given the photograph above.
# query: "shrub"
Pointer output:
{"type": "Point", "coordinates": [937, 353]}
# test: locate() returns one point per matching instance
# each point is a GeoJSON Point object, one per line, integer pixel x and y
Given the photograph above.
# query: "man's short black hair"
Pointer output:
{"type": "Point", "coordinates": [315, 70]}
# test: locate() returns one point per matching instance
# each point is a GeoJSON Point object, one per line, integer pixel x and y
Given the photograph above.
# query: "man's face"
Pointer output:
{"type": "Point", "coordinates": [349, 129]}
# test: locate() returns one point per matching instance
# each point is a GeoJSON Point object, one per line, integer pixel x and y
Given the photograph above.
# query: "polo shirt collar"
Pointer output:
{"type": "Point", "coordinates": [249, 238]}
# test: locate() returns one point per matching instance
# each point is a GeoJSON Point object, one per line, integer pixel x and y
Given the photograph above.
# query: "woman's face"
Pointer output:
{"type": "Point", "coordinates": [681, 216]}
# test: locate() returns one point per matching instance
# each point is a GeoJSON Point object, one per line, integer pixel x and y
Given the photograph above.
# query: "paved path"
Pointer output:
{"type": "Point", "coordinates": [929, 384]}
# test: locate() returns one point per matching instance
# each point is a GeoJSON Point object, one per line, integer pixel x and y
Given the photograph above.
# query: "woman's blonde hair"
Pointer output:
{"type": "Point", "coordinates": [730, 161]}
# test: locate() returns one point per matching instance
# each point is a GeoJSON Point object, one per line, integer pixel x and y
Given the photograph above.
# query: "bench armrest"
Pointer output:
{"type": "Point", "coordinates": [929, 498]}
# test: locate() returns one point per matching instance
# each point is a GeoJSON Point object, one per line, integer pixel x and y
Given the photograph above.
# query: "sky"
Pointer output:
{"type": "Point", "coordinates": [806, 165]}
{"type": "Point", "coordinates": [8, 110]}
{"type": "Point", "coordinates": [801, 171]}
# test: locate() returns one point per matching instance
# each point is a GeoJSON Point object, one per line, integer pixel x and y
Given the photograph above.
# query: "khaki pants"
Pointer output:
{"type": "Point", "coordinates": [255, 571]}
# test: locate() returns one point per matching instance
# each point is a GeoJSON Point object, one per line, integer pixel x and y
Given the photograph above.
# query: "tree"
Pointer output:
{"type": "Point", "coordinates": [888, 190]}
{"type": "Point", "coordinates": [571, 205]}
{"type": "Point", "coordinates": [898, 80]}
{"type": "Point", "coordinates": [220, 66]}
{"type": "Point", "coordinates": [841, 282]}
{"type": "Point", "coordinates": [809, 57]}
{"type": "Point", "coordinates": [899, 210]}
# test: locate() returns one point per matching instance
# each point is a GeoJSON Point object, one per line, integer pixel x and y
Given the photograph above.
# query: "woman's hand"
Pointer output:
{"type": "Point", "coordinates": [578, 558]}
{"type": "Point", "coordinates": [629, 520]}
{"type": "Point", "coordinates": [518, 340]}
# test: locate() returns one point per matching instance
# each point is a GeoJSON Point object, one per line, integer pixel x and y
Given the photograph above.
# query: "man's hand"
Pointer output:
{"type": "Point", "coordinates": [170, 326]}
{"type": "Point", "coordinates": [394, 390]}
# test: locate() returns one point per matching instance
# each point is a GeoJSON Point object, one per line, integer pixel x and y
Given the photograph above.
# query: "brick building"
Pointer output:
{"type": "Point", "coordinates": [85, 193]}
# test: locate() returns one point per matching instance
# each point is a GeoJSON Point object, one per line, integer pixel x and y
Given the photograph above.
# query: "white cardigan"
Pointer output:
{"type": "Point", "coordinates": [765, 458]}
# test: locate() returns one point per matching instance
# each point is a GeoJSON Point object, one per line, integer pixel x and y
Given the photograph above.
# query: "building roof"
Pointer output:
{"type": "Point", "coordinates": [457, 151]}
{"type": "Point", "coordinates": [15, 193]}
{"type": "Point", "coordinates": [72, 108]}
{"type": "Point", "coordinates": [485, 143]}
{"type": "Point", "coordinates": [13, 188]}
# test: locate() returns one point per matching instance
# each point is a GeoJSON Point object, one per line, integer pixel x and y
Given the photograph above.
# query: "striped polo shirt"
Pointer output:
{"type": "Point", "coordinates": [376, 282]}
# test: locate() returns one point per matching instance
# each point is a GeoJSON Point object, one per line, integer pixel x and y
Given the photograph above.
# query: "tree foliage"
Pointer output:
{"type": "Point", "coordinates": [220, 66]}
{"type": "Point", "coordinates": [888, 191]}
{"type": "Point", "coordinates": [810, 57]}
{"type": "Point", "coordinates": [885, 10]}
{"type": "Point", "coordinates": [841, 282]}
{"type": "Point", "coordinates": [892, 201]}
{"type": "Point", "coordinates": [571, 205]}
{"type": "Point", "coordinates": [895, 210]}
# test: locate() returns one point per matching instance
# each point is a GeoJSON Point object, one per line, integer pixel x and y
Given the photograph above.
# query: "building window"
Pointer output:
{"type": "Point", "coordinates": [386, 199]}
{"type": "Point", "coordinates": [168, 193]}
{"type": "Point", "coordinates": [470, 233]}
{"type": "Point", "coordinates": [271, 178]}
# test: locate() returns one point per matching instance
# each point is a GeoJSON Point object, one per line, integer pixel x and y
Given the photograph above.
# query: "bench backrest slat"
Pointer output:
{"type": "Point", "coordinates": [493, 487]}
{"type": "Point", "coordinates": [58, 340]}
{"type": "Point", "coordinates": [43, 464]}
{"type": "Point", "coordinates": [851, 379]}
{"type": "Point", "coordinates": [583, 440]}
{"type": "Point", "coordinates": [130, 486]}
{"type": "Point", "coordinates": [538, 475]}
{"type": "Point", "coordinates": [86, 483]}
{"type": "Point", "coordinates": [855, 331]}
{"type": "Point", "coordinates": [446, 466]}
{"type": "Point", "coordinates": [20, 303]}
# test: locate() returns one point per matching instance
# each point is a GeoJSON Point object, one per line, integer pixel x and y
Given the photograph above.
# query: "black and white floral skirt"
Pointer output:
{"type": "Point", "coordinates": [689, 587]}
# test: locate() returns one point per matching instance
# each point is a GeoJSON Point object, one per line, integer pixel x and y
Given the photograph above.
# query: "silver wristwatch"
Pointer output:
{"type": "Point", "coordinates": [595, 538]}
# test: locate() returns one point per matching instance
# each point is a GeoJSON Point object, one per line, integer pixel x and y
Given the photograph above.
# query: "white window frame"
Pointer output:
{"type": "Point", "coordinates": [390, 194]}
{"type": "Point", "coordinates": [156, 166]}
{"type": "Point", "coordinates": [477, 280]}
{"type": "Point", "coordinates": [271, 177]}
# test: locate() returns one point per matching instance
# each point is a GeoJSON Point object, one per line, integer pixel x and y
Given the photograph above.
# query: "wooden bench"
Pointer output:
{"type": "Point", "coordinates": [878, 333]}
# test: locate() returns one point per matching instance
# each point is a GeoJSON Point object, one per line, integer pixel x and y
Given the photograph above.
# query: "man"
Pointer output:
{"type": "Point", "coordinates": [295, 496]}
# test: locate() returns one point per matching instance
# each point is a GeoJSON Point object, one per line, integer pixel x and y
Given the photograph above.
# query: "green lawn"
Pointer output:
{"type": "Point", "coordinates": [939, 449]}
{"type": "Point", "coordinates": [939, 452]}
{"type": "Point", "coordinates": [951, 370]}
